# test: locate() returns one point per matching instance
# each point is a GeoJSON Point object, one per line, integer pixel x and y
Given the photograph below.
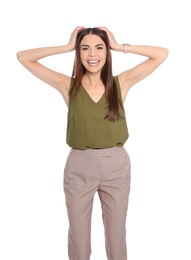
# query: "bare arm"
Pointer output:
{"type": "Point", "coordinates": [29, 59]}
{"type": "Point", "coordinates": [155, 56]}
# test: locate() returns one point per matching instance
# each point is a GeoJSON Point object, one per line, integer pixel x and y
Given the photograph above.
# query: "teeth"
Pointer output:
{"type": "Point", "coordinates": [93, 62]}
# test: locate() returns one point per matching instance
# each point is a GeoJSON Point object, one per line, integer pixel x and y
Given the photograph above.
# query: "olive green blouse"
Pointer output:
{"type": "Point", "coordinates": [87, 127]}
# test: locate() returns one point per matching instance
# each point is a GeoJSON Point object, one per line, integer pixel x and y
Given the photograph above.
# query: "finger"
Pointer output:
{"type": "Point", "coordinates": [79, 28]}
{"type": "Point", "coordinates": [102, 28]}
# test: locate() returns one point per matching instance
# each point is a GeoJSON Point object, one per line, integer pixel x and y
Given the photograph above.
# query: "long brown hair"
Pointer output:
{"type": "Point", "coordinates": [111, 92]}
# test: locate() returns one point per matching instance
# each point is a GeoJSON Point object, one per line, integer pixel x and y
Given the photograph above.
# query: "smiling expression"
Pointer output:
{"type": "Point", "coordinates": [92, 53]}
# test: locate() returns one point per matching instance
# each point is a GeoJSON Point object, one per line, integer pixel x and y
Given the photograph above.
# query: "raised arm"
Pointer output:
{"type": "Point", "coordinates": [30, 60]}
{"type": "Point", "coordinates": [155, 56]}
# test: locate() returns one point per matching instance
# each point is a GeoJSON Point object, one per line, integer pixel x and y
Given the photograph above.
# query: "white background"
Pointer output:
{"type": "Point", "coordinates": [33, 217]}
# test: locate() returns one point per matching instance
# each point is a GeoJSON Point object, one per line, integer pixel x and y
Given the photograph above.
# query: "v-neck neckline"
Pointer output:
{"type": "Point", "coordinates": [90, 96]}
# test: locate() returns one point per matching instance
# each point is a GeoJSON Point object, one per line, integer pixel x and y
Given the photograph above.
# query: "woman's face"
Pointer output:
{"type": "Point", "coordinates": [93, 53]}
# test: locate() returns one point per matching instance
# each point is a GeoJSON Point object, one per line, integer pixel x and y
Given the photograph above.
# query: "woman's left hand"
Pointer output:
{"type": "Point", "coordinates": [112, 41]}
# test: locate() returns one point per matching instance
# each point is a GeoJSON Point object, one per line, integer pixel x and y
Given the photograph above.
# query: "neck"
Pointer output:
{"type": "Point", "coordinates": [92, 79]}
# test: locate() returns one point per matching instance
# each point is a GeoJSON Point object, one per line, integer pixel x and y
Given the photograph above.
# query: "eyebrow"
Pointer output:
{"type": "Point", "coordinates": [86, 45]}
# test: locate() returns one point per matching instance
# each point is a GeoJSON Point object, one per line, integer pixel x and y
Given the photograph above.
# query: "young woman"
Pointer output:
{"type": "Point", "coordinates": [96, 132]}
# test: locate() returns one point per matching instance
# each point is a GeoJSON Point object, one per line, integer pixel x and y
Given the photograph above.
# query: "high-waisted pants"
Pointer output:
{"type": "Point", "coordinates": [106, 171]}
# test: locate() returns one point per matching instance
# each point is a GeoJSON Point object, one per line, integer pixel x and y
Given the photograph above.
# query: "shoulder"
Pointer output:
{"type": "Point", "coordinates": [117, 82]}
{"type": "Point", "coordinates": [64, 88]}
{"type": "Point", "coordinates": [122, 85]}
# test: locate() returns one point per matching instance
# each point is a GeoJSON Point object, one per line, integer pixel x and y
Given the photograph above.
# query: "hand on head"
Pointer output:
{"type": "Point", "coordinates": [110, 36]}
{"type": "Point", "coordinates": [72, 40]}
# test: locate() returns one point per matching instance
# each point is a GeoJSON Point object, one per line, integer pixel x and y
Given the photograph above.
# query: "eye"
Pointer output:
{"type": "Point", "coordinates": [100, 48]}
{"type": "Point", "coordinates": [84, 48]}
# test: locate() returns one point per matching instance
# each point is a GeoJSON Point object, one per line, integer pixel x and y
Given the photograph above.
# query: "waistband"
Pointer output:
{"type": "Point", "coordinates": [99, 152]}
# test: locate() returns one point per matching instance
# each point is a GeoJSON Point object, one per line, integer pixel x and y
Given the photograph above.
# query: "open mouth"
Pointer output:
{"type": "Point", "coordinates": [93, 62]}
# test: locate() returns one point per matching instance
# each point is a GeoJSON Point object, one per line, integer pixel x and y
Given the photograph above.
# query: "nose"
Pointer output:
{"type": "Point", "coordinates": [92, 53]}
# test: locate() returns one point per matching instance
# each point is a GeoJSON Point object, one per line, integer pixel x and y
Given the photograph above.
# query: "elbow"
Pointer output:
{"type": "Point", "coordinates": [165, 53]}
{"type": "Point", "coordinates": [19, 56]}
{"type": "Point", "coordinates": [162, 55]}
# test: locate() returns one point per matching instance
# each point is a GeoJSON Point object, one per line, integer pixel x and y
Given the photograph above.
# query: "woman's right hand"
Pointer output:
{"type": "Point", "coordinates": [30, 59]}
{"type": "Point", "coordinates": [72, 41]}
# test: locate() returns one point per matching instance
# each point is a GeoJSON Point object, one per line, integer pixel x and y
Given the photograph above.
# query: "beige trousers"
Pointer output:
{"type": "Point", "coordinates": [106, 171]}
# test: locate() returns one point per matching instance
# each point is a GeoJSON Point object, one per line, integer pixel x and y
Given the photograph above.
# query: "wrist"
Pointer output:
{"type": "Point", "coordinates": [125, 47]}
{"type": "Point", "coordinates": [68, 48]}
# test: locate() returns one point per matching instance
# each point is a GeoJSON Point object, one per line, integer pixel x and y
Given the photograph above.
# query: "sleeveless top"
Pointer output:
{"type": "Point", "coordinates": [86, 126]}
